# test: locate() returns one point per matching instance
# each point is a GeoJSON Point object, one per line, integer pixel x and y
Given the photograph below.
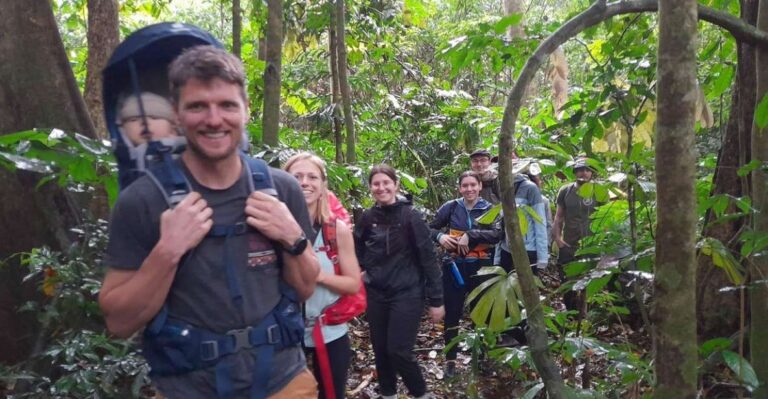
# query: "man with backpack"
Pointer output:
{"type": "Point", "coordinates": [216, 279]}
{"type": "Point", "coordinates": [571, 223]}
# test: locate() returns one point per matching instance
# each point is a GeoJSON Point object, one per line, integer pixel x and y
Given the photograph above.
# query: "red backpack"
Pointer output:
{"type": "Point", "coordinates": [346, 308]}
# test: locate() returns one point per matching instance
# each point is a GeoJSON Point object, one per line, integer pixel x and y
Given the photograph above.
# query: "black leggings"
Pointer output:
{"type": "Point", "coordinates": [339, 356]}
{"type": "Point", "coordinates": [454, 297]}
{"type": "Point", "coordinates": [394, 322]}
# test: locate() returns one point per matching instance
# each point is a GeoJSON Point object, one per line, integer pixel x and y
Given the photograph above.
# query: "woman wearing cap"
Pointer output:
{"type": "Point", "coordinates": [468, 246]}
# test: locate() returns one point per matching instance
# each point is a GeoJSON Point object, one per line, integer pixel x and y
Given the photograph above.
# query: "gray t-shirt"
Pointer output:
{"type": "Point", "coordinates": [577, 211]}
{"type": "Point", "coordinates": [199, 294]}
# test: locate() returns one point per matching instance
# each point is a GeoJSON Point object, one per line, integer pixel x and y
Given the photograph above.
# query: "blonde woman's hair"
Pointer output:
{"type": "Point", "coordinates": [322, 210]}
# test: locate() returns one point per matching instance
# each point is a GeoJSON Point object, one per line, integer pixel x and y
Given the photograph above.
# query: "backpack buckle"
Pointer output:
{"type": "Point", "coordinates": [209, 350]}
{"type": "Point", "coordinates": [242, 338]}
{"type": "Point", "coordinates": [240, 228]}
{"type": "Point", "coordinates": [273, 334]}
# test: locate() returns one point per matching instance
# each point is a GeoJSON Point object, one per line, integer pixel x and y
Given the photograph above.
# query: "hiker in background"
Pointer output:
{"type": "Point", "coordinates": [400, 270]}
{"type": "Point", "coordinates": [480, 163]}
{"type": "Point", "coordinates": [468, 246]}
{"type": "Point", "coordinates": [530, 167]}
{"type": "Point", "coordinates": [309, 170]}
{"type": "Point", "coordinates": [571, 224]}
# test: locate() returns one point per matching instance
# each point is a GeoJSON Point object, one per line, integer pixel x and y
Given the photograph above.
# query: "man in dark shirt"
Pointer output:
{"type": "Point", "coordinates": [162, 258]}
{"type": "Point", "coordinates": [572, 221]}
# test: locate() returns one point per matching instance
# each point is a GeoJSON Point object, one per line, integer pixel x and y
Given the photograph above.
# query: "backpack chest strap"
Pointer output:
{"type": "Point", "coordinates": [228, 231]}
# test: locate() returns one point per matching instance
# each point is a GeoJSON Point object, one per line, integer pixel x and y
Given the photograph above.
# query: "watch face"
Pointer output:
{"type": "Point", "coordinates": [298, 247]}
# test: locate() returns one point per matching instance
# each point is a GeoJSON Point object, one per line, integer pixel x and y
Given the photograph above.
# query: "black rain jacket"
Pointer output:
{"type": "Point", "coordinates": [396, 252]}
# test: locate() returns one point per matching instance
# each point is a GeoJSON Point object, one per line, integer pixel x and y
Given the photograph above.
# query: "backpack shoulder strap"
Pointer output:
{"type": "Point", "coordinates": [330, 242]}
{"type": "Point", "coordinates": [261, 178]}
{"type": "Point", "coordinates": [167, 175]}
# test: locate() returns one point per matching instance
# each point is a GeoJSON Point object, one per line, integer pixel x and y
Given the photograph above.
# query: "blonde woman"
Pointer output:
{"type": "Point", "coordinates": [310, 172]}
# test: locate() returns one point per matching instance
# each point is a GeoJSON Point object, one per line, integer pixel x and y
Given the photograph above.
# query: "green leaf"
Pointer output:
{"type": "Point", "coordinates": [504, 23]}
{"type": "Point", "coordinates": [748, 168]}
{"type": "Point", "coordinates": [714, 345]}
{"type": "Point", "coordinates": [587, 190]}
{"type": "Point", "coordinates": [724, 259]}
{"type": "Point", "coordinates": [531, 212]}
{"type": "Point", "coordinates": [601, 193]}
{"type": "Point", "coordinates": [522, 220]}
{"type": "Point", "coordinates": [490, 216]}
{"type": "Point", "coordinates": [723, 82]}
{"type": "Point", "coordinates": [761, 113]}
{"type": "Point", "coordinates": [597, 284]}
{"type": "Point", "coordinates": [742, 369]}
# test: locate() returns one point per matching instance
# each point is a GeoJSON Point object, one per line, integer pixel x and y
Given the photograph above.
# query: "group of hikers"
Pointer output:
{"type": "Point", "coordinates": [229, 266]}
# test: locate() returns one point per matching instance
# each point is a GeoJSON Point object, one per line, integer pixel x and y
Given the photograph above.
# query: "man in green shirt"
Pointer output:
{"type": "Point", "coordinates": [572, 221]}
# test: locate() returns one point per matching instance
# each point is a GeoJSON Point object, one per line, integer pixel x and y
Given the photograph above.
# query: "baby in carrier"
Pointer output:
{"type": "Point", "coordinates": [160, 119]}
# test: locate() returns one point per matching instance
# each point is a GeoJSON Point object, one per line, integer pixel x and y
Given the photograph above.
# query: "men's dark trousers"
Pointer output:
{"type": "Point", "coordinates": [394, 323]}
{"type": "Point", "coordinates": [572, 299]}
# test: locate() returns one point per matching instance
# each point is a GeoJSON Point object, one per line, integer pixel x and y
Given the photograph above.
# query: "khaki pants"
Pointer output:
{"type": "Point", "coordinates": [303, 386]}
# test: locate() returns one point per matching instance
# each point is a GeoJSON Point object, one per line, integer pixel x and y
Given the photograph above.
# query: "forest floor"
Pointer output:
{"type": "Point", "coordinates": [494, 379]}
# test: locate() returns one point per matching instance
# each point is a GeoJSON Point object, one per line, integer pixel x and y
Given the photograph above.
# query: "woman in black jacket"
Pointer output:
{"type": "Point", "coordinates": [400, 269]}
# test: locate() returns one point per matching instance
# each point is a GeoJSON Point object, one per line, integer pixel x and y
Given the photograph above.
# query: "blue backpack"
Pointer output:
{"type": "Point", "coordinates": [171, 347]}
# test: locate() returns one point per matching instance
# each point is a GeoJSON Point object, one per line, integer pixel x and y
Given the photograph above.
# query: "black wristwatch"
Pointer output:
{"type": "Point", "coordinates": [298, 246]}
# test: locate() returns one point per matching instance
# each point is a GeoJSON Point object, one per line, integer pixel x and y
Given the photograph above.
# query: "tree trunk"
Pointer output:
{"type": "Point", "coordinates": [674, 312]}
{"type": "Point", "coordinates": [333, 43]}
{"type": "Point", "coordinates": [274, 44]}
{"type": "Point", "coordinates": [237, 28]}
{"type": "Point", "coordinates": [103, 37]}
{"type": "Point", "coordinates": [514, 7]}
{"type": "Point", "coordinates": [717, 311]}
{"type": "Point", "coordinates": [759, 262]}
{"type": "Point", "coordinates": [346, 96]}
{"type": "Point", "coordinates": [37, 90]}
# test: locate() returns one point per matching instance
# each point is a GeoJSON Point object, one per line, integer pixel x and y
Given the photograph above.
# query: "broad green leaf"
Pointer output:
{"type": "Point", "coordinates": [297, 104]}
{"type": "Point", "coordinates": [748, 168]}
{"type": "Point", "coordinates": [723, 82]}
{"type": "Point", "coordinates": [601, 193]}
{"type": "Point", "coordinates": [723, 258]}
{"type": "Point", "coordinates": [504, 23]}
{"type": "Point", "coordinates": [714, 345]}
{"type": "Point", "coordinates": [597, 285]}
{"type": "Point", "coordinates": [490, 216]}
{"type": "Point", "coordinates": [761, 113]}
{"type": "Point", "coordinates": [742, 369]}
{"type": "Point", "coordinates": [522, 220]}
{"type": "Point", "coordinates": [531, 212]}
{"type": "Point", "coordinates": [587, 190]}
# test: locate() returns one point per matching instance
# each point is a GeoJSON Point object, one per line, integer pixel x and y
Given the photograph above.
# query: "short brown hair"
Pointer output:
{"type": "Point", "coordinates": [385, 169]}
{"type": "Point", "coordinates": [206, 63]}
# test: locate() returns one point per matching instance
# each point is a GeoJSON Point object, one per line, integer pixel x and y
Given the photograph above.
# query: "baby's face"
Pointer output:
{"type": "Point", "coordinates": [158, 128]}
